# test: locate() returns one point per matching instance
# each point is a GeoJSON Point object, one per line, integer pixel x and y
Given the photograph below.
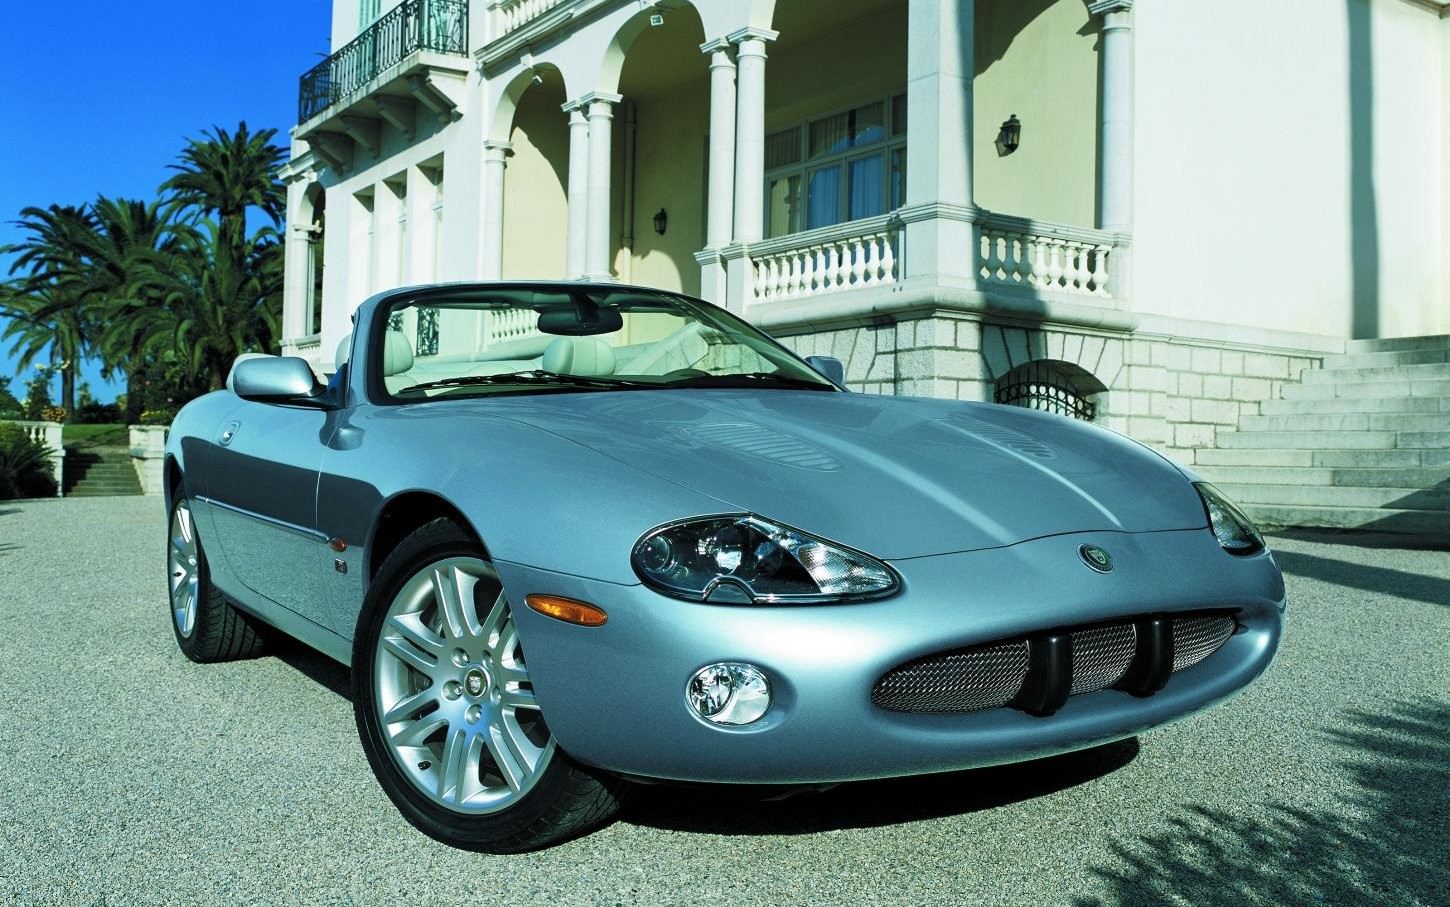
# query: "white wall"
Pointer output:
{"type": "Point", "coordinates": [1255, 202]}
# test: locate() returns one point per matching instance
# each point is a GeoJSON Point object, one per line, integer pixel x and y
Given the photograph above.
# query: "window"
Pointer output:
{"type": "Point", "coordinates": [367, 13]}
{"type": "Point", "coordinates": [837, 168]}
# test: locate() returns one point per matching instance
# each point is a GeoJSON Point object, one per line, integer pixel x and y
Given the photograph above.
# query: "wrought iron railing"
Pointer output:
{"type": "Point", "coordinates": [413, 25]}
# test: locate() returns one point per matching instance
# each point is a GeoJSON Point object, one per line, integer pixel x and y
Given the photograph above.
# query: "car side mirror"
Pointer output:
{"type": "Point", "coordinates": [829, 366]}
{"type": "Point", "coordinates": [278, 379]}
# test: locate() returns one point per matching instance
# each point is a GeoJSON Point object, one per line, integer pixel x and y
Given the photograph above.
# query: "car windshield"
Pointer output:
{"type": "Point", "coordinates": [557, 338]}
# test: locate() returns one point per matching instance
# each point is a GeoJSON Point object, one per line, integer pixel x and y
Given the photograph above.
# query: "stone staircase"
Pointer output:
{"type": "Point", "coordinates": [97, 471]}
{"type": "Point", "coordinates": [1362, 442]}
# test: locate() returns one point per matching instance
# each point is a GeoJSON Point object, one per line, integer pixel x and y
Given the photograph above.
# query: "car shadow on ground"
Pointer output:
{"type": "Point", "coordinates": [312, 664]}
{"type": "Point", "coordinates": [1359, 539]}
{"type": "Point", "coordinates": [1432, 590]}
{"type": "Point", "coordinates": [1386, 844]}
{"type": "Point", "coordinates": [728, 810]}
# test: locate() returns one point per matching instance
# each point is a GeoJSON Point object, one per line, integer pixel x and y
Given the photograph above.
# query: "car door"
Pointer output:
{"type": "Point", "coordinates": [262, 488]}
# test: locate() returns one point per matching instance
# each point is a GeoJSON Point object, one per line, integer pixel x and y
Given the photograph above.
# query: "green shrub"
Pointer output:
{"type": "Point", "coordinates": [25, 470]}
{"type": "Point", "coordinates": [157, 416]}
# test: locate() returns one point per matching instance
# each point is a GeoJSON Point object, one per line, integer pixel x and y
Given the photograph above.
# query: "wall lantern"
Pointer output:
{"type": "Point", "coordinates": [1009, 136]}
{"type": "Point", "coordinates": [662, 220]}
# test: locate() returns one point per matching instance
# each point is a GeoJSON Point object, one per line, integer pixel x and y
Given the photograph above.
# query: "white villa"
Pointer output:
{"type": "Point", "coordinates": [1155, 214]}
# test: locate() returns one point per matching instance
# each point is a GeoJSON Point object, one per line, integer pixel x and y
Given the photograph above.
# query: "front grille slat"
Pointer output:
{"type": "Point", "coordinates": [1100, 656]}
{"type": "Point", "coordinates": [992, 675]}
{"type": "Point", "coordinates": [1196, 638]}
{"type": "Point", "coordinates": [968, 680]}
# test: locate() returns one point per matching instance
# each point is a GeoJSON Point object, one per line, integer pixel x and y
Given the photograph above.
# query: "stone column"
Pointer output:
{"type": "Point", "coordinates": [494, 160]}
{"type": "Point", "coordinates": [1115, 168]}
{"type": "Point", "coordinates": [750, 132]}
{"type": "Point", "coordinates": [578, 189]}
{"type": "Point", "coordinates": [298, 282]}
{"type": "Point", "coordinates": [722, 143]}
{"type": "Point", "coordinates": [939, 139]}
{"type": "Point", "coordinates": [601, 145]}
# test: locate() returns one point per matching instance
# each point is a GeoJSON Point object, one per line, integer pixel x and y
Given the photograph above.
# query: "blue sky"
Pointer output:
{"type": "Point", "coordinates": [97, 97]}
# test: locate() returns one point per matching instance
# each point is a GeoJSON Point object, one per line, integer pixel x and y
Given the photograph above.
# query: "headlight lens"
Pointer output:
{"type": "Point", "coordinates": [1234, 531]}
{"type": "Point", "coordinates": [750, 560]}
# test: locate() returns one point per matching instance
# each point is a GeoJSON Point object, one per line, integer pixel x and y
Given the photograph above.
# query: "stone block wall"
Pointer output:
{"type": "Point", "coordinates": [1169, 393]}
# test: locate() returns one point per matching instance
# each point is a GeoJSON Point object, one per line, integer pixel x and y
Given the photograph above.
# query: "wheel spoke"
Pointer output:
{"type": "Point", "coordinates": [453, 771]}
{"type": "Point", "coordinates": [518, 697]}
{"type": "Point", "coordinates": [183, 522]}
{"type": "Point", "coordinates": [412, 629]}
{"type": "Point", "coordinates": [409, 656]}
{"type": "Point", "coordinates": [449, 593]}
{"type": "Point", "coordinates": [409, 706]}
{"type": "Point", "coordinates": [496, 622]}
{"type": "Point", "coordinates": [505, 753]}
{"type": "Point", "coordinates": [418, 731]}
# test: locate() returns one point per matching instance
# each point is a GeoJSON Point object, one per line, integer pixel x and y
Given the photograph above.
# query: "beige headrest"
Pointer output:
{"type": "Point", "coordinates": [397, 354]}
{"type": "Point", "coordinates": [586, 356]}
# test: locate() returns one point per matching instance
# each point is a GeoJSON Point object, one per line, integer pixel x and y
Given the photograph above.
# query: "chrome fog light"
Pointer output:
{"type": "Point", "coordinates": [729, 693]}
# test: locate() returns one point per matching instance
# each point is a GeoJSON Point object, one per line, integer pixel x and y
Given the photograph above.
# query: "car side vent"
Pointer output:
{"type": "Point", "coordinates": [1037, 673]}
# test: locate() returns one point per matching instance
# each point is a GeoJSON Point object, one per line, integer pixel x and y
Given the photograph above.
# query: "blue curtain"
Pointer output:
{"type": "Point", "coordinates": [868, 189]}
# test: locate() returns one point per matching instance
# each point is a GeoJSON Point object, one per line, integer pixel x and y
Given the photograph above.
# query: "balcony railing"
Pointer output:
{"type": "Point", "coordinates": [414, 25]}
{"type": "Point", "coordinates": [849, 256]}
{"type": "Point", "coordinates": [508, 15]}
{"type": "Point", "coordinates": [1037, 256]}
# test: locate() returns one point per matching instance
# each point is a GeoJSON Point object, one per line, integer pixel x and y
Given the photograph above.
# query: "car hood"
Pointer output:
{"type": "Point", "coordinates": [895, 477]}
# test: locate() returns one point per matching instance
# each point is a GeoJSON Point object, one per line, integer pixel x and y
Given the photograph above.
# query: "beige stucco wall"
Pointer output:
{"type": "Point", "coordinates": [1037, 59]}
{"type": "Point", "coordinates": [1289, 161]}
{"type": "Point", "coordinates": [834, 68]}
{"type": "Point", "coordinates": [536, 210]}
{"type": "Point", "coordinates": [670, 174]}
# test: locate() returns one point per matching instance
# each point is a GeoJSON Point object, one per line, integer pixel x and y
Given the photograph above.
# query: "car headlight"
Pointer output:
{"type": "Point", "coordinates": [1235, 532]}
{"type": "Point", "coordinates": [744, 559]}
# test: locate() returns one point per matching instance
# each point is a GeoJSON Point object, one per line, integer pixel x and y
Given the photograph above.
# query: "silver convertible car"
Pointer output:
{"type": "Point", "coordinates": [570, 536]}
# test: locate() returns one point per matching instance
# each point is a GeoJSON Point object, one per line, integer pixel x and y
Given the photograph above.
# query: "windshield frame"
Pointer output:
{"type": "Point", "coordinates": [378, 393]}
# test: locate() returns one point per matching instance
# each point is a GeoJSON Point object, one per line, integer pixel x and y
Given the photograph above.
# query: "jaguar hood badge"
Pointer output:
{"type": "Point", "coordinates": [1096, 558]}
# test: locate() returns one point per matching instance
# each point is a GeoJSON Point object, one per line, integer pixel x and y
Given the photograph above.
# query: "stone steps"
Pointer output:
{"type": "Point", "coordinates": [1389, 387]}
{"type": "Point", "coordinates": [1362, 442]}
{"type": "Point", "coordinates": [100, 471]}
{"type": "Point", "coordinates": [1324, 405]}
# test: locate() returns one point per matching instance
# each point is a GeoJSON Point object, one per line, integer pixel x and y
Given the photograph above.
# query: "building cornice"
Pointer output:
{"type": "Point", "coordinates": [303, 166]}
{"type": "Point", "coordinates": [1439, 7]}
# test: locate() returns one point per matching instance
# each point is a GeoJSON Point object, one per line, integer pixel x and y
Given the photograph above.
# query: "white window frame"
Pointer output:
{"type": "Point", "coordinates": [805, 166]}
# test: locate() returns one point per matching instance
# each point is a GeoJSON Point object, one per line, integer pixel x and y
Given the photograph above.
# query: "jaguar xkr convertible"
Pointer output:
{"type": "Point", "coordinates": [573, 536]}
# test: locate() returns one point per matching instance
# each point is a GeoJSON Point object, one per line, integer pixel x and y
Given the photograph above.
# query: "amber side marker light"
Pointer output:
{"type": "Point", "coordinates": [567, 610]}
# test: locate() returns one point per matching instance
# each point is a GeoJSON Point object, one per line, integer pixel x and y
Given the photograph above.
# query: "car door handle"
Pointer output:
{"type": "Point", "coordinates": [229, 431]}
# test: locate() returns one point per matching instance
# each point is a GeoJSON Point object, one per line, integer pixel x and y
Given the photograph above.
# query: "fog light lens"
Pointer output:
{"type": "Point", "coordinates": [729, 693]}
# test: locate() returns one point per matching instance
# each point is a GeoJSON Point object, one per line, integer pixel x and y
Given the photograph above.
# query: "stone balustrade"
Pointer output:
{"type": "Point", "coordinates": [849, 256]}
{"type": "Point", "coordinates": [1038, 256]}
{"type": "Point", "coordinates": [49, 434]}
{"type": "Point", "coordinates": [507, 15]}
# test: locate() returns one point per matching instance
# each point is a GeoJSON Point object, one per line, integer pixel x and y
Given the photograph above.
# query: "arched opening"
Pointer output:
{"type": "Point", "coordinates": [1053, 386]}
{"type": "Point", "coordinates": [659, 153]}
{"type": "Point", "coordinates": [536, 204]}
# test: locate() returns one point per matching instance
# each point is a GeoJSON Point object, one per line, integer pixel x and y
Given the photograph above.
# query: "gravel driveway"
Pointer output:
{"type": "Point", "coordinates": [130, 775]}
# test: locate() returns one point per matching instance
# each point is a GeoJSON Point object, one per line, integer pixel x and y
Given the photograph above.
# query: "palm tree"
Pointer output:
{"type": "Point", "coordinates": [219, 302]}
{"type": "Point", "coordinates": [132, 239]}
{"type": "Point", "coordinates": [224, 174]}
{"type": "Point", "coordinates": [45, 301]}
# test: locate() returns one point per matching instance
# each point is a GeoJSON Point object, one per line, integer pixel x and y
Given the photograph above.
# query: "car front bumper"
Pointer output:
{"type": "Point", "coordinates": [614, 696]}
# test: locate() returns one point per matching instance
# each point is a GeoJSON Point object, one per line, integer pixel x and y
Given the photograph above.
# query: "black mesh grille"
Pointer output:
{"type": "Point", "coordinates": [1196, 638]}
{"type": "Point", "coordinates": [990, 676]}
{"type": "Point", "coordinates": [1101, 656]}
{"type": "Point", "coordinates": [968, 680]}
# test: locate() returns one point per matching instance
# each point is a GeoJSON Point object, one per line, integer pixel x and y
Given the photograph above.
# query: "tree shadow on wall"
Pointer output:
{"type": "Point", "coordinates": [1386, 845]}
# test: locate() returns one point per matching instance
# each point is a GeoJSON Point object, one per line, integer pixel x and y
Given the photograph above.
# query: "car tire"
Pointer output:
{"type": "Point", "coordinates": [445, 707]}
{"type": "Point", "coordinates": [207, 627]}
